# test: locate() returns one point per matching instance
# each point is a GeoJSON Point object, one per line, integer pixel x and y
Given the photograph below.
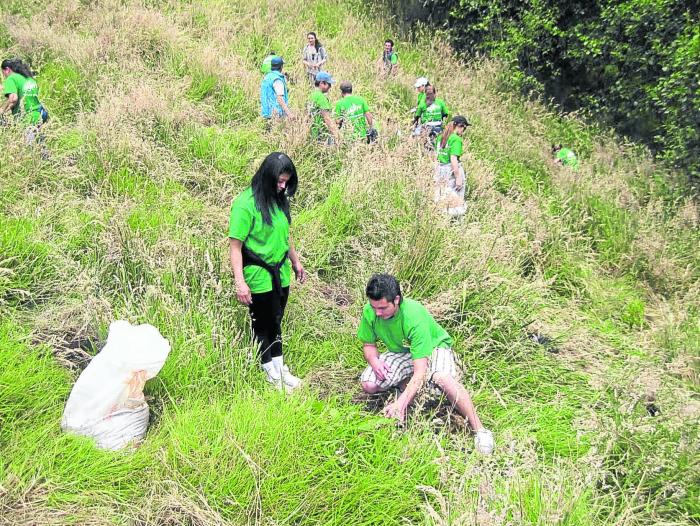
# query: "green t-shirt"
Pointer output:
{"type": "Point", "coordinates": [454, 146]}
{"type": "Point", "coordinates": [270, 242]}
{"type": "Point", "coordinates": [433, 113]}
{"type": "Point", "coordinates": [267, 64]}
{"type": "Point", "coordinates": [352, 109]}
{"type": "Point", "coordinates": [27, 92]}
{"type": "Point", "coordinates": [567, 158]}
{"type": "Point", "coordinates": [318, 102]}
{"type": "Point", "coordinates": [421, 98]}
{"type": "Point", "coordinates": [412, 329]}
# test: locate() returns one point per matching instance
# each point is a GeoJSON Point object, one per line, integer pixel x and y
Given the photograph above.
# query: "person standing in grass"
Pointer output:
{"type": "Point", "coordinates": [564, 156]}
{"type": "Point", "coordinates": [323, 127]}
{"type": "Point", "coordinates": [22, 97]}
{"type": "Point", "coordinates": [274, 95]}
{"type": "Point", "coordinates": [313, 56]}
{"type": "Point", "coordinates": [262, 258]}
{"type": "Point", "coordinates": [420, 85]}
{"type": "Point", "coordinates": [419, 354]}
{"type": "Point", "coordinates": [390, 59]}
{"type": "Point", "coordinates": [266, 66]}
{"type": "Point", "coordinates": [449, 176]}
{"type": "Point", "coordinates": [354, 110]}
{"type": "Point", "coordinates": [430, 114]}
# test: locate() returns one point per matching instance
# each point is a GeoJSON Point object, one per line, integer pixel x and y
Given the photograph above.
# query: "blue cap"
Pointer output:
{"type": "Point", "coordinates": [276, 61]}
{"type": "Point", "coordinates": [322, 76]}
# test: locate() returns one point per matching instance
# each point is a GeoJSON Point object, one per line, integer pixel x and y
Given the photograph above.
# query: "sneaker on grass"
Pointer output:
{"type": "Point", "coordinates": [483, 441]}
{"type": "Point", "coordinates": [290, 381]}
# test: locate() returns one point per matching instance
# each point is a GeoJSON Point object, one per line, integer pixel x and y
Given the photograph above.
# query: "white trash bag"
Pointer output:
{"type": "Point", "coordinates": [107, 401]}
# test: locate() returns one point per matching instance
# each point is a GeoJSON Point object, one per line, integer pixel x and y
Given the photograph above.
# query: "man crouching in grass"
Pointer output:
{"type": "Point", "coordinates": [418, 350]}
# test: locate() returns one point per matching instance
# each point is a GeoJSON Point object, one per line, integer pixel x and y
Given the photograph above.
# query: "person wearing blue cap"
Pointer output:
{"type": "Point", "coordinates": [323, 127]}
{"type": "Point", "coordinates": [274, 95]}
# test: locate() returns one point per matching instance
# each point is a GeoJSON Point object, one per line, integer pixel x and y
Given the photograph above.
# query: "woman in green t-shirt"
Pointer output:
{"type": "Point", "coordinates": [430, 114]}
{"type": "Point", "coordinates": [22, 97]}
{"type": "Point", "coordinates": [263, 256]}
{"type": "Point", "coordinates": [449, 175]}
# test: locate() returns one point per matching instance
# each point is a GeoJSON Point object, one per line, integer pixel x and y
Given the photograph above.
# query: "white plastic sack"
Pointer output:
{"type": "Point", "coordinates": [107, 401]}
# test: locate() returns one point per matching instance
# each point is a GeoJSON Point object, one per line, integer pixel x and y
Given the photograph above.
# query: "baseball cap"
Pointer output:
{"type": "Point", "coordinates": [322, 76]}
{"type": "Point", "coordinates": [459, 120]}
{"type": "Point", "coordinates": [421, 81]}
{"type": "Point", "coordinates": [276, 61]}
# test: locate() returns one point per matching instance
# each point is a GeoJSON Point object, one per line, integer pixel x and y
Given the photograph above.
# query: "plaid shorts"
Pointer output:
{"type": "Point", "coordinates": [401, 364]}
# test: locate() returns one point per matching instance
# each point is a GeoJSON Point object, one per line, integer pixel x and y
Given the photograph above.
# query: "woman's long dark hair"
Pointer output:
{"type": "Point", "coordinates": [17, 66]}
{"type": "Point", "coordinates": [317, 42]}
{"type": "Point", "coordinates": [264, 185]}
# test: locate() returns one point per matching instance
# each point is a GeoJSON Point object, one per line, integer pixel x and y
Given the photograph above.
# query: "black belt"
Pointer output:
{"type": "Point", "coordinates": [251, 258]}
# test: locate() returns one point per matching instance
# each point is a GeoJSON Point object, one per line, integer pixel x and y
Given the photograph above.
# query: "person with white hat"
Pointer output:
{"type": "Point", "coordinates": [420, 85]}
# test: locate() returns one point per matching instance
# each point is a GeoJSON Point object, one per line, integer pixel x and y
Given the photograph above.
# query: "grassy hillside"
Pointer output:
{"type": "Point", "coordinates": [154, 130]}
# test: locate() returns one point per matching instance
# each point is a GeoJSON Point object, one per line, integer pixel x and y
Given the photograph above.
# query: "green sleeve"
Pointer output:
{"type": "Point", "coordinates": [10, 87]}
{"type": "Point", "coordinates": [421, 108]}
{"type": "Point", "coordinates": [241, 221]}
{"type": "Point", "coordinates": [338, 112]}
{"type": "Point", "coordinates": [457, 147]}
{"type": "Point", "coordinates": [445, 111]}
{"type": "Point", "coordinates": [365, 332]}
{"type": "Point", "coordinates": [421, 341]}
{"type": "Point", "coordinates": [394, 59]}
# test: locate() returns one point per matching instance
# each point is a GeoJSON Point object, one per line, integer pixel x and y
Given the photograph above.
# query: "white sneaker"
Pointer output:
{"type": "Point", "coordinates": [289, 379]}
{"type": "Point", "coordinates": [483, 441]}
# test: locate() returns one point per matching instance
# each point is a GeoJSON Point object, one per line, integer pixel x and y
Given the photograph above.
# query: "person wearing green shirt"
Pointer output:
{"type": "Point", "coordinates": [420, 85]}
{"type": "Point", "coordinates": [430, 114]}
{"type": "Point", "coordinates": [418, 352]}
{"type": "Point", "coordinates": [390, 59]}
{"type": "Point", "coordinates": [262, 258]}
{"type": "Point", "coordinates": [449, 176]}
{"type": "Point", "coordinates": [266, 66]}
{"type": "Point", "coordinates": [565, 156]}
{"type": "Point", "coordinates": [22, 97]}
{"type": "Point", "coordinates": [323, 127]}
{"type": "Point", "coordinates": [353, 110]}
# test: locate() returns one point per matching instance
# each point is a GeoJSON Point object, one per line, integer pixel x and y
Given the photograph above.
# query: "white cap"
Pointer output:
{"type": "Point", "coordinates": [421, 81]}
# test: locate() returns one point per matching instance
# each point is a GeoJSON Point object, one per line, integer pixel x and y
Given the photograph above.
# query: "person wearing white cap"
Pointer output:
{"type": "Point", "coordinates": [323, 127]}
{"type": "Point", "coordinates": [420, 85]}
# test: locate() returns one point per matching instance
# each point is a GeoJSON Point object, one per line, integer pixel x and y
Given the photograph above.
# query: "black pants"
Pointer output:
{"type": "Point", "coordinates": [266, 313]}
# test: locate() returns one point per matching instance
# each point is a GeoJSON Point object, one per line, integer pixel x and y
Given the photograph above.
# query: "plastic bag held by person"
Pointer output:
{"type": "Point", "coordinates": [107, 401]}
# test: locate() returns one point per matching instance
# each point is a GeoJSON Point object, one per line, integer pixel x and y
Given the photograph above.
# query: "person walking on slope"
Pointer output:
{"type": "Point", "coordinates": [262, 258]}
{"type": "Point", "coordinates": [274, 95]}
{"type": "Point", "coordinates": [390, 59]}
{"type": "Point", "coordinates": [449, 176]}
{"type": "Point", "coordinates": [22, 98]}
{"type": "Point", "coordinates": [323, 127]}
{"type": "Point", "coordinates": [564, 156]}
{"type": "Point", "coordinates": [419, 352]}
{"type": "Point", "coordinates": [354, 110]}
{"type": "Point", "coordinates": [430, 114]}
{"type": "Point", "coordinates": [420, 85]}
{"type": "Point", "coordinates": [313, 56]}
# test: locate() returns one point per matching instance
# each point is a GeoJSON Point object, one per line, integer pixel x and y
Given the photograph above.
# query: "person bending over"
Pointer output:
{"type": "Point", "coordinates": [354, 111]}
{"type": "Point", "coordinates": [418, 351]}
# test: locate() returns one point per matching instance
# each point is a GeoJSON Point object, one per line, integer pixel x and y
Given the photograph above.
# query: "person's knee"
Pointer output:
{"type": "Point", "coordinates": [442, 380]}
{"type": "Point", "coordinates": [370, 388]}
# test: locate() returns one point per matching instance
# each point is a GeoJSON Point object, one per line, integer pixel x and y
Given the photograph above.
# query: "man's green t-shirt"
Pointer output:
{"type": "Point", "coordinates": [454, 146]}
{"type": "Point", "coordinates": [433, 113]}
{"type": "Point", "coordinates": [567, 157]}
{"type": "Point", "coordinates": [318, 102]}
{"type": "Point", "coordinates": [412, 329]}
{"type": "Point", "coordinates": [27, 93]}
{"type": "Point", "coordinates": [352, 109]}
{"type": "Point", "coordinates": [270, 242]}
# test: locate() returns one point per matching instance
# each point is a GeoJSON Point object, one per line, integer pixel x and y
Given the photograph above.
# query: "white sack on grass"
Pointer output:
{"type": "Point", "coordinates": [107, 401]}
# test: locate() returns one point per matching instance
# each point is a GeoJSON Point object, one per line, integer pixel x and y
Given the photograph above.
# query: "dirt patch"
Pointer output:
{"type": "Point", "coordinates": [72, 351]}
{"type": "Point", "coordinates": [335, 293]}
